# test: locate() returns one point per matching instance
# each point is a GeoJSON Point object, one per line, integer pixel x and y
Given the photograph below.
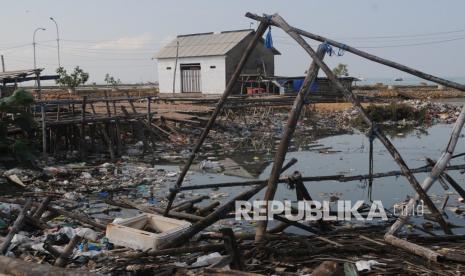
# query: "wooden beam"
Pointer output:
{"type": "Point", "coordinates": [232, 81]}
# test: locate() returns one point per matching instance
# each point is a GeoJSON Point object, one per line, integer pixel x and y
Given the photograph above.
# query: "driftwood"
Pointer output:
{"type": "Point", "coordinates": [75, 216]}
{"type": "Point", "coordinates": [175, 251]}
{"type": "Point", "coordinates": [49, 247]}
{"type": "Point", "coordinates": [183, 207]}
{"type": "Point", "coordinates": [207, 209]}
{"type": "Point", "coordinates": [193, 201]}
{"type": "Point", "coordinates": [17, 267]}
{"type": "Point", "coordinates": [16, 227]}
{"type": "Point", "coordinates": [223, 272]}
{"type": "Point", "coordinates": [63, 259]}
{"type": "Point", "coordinates": [328, 268]}
{"type": "Point", "coordinates": [413, 248]}
{"type": "Point", "coordinates": [232, 248]}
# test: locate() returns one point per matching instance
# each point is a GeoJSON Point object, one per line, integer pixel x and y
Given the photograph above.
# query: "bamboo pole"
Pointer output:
{"type": "Point", "coordinates": [292, 120]}
{"type": "Point", "coordinates": [437, 170]}
{"type": "Point", "coordinates": [232, 81]}
{"type": "Point", "coordinates": [336, 177]}
{"type": "Point", "coordinates": [366, 55]}
{"type": "Point", "coordinates": [44, 133]}
{"type": "Point", "coordinates": [450, 180]}
{"type": "Point", "coordinates": [280, 22]}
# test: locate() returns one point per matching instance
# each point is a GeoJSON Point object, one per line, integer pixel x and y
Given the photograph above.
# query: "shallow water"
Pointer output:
{"type": "Point", "coordinates": [352, 160]}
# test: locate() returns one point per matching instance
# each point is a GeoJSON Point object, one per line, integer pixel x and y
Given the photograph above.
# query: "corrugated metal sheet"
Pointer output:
{"type": "Point", "coordinates": [206, 44]}
{"type": "Point", "coordinates": [17, 74]}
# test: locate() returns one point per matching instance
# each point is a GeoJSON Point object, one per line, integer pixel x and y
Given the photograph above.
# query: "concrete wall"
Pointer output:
{"type": "Point", "coordinates": [213, 80]}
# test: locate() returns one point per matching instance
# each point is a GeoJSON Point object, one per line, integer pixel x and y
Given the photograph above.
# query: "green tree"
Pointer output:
{"type": "Point", "coordinates": [73, 80]}
{"type": "Point", "coordinates": [341, 70]}
{"type": "Point", "coordinates": [110, 80]}
{"type": "Point", "coordinates": [14, 114]}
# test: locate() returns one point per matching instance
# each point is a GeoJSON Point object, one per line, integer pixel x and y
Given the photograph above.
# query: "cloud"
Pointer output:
{"type": "Point", "coordinates": [125, 43]}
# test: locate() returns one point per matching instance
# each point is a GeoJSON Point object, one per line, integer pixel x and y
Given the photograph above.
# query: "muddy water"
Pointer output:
{"type": "Point", "coordinates": [351, 158]}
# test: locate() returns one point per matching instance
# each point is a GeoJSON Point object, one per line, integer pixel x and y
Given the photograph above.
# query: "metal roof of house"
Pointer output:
{"type": "Point", "coordinates": [205, 44]}
{"type": "Point", "coordinates": [11, 75]}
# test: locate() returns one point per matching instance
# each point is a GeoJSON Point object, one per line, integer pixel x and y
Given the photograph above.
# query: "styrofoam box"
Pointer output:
{"type": "Point", "coordinates": [128, 233]}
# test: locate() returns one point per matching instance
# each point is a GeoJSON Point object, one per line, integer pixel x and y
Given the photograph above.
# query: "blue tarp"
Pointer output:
{"type": "Point", "coordinates": [296, 84]}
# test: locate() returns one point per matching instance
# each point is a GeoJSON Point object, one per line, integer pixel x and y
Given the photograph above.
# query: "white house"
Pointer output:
{"type": "Point", "coordinates": [206, 61]}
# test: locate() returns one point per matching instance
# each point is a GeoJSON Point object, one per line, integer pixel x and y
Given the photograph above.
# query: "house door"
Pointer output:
{"type": "Point", "coordinates": [190, 78]}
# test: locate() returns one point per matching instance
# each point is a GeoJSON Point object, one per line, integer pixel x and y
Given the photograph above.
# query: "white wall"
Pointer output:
{"type": "Point", "coordinates": [213, 80]}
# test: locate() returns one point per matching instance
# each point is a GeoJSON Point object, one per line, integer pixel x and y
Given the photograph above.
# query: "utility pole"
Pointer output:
{"type": "Point", "coordinates": [3, 63]}
{"type": "Point", "coordinates": [58, 40]}
{"type": "Point", "coordinates": [175, 66]}
{"type": "Point", "coordinates": [34, 44]}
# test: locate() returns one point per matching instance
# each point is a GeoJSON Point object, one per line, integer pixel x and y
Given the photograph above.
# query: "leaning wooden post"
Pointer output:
{"type": "Point", "coordinates": [44, 133]}
{"type": "Point", "coordinates": [83, 120]}
{"type": "Point", "coordinates": [107, 104]}
{"type": "Point", "coordinates": [280, 22]}
{"type": "Point", "coordinates": [16, 227]}
{"type": "Point", "coordinates": [366, 55]}
{"type": "Point", "coordinates": [437, 170]}
{"type": "Point", "coordinates": [149, 115]}
{"type": "Point", "coordinates": [449, 180]}
{"type": "Point", "coordinates": [39, 87]}
{"type": "Point", "coordinates": [280, 155]}
{"type": "Point", "coordinates": [232, 81]}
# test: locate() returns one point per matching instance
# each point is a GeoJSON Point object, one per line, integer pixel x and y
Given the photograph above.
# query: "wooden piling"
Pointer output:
{"type": "Point", "coordinates": [44, 131]}
{"type": "Point", "coordinates": [292, 120]}
{"type": "Point", "coordinates": [232, 81]}
{"type": "Point", "coordinates": [279, 21]}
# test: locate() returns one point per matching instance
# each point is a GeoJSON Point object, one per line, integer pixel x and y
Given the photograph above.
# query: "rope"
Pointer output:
{"type": "Point", "coordinates": [329, 49]}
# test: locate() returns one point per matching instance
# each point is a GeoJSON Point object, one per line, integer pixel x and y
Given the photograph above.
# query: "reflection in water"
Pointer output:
{"type": "Point", "coordinates": [349, 156]}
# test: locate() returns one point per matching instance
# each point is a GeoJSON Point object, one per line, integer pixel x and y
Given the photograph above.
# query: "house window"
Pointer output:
{"type": "Point", "coordinates": [212, 66]}
{"type": "Point", "coordinates": [168, 68]}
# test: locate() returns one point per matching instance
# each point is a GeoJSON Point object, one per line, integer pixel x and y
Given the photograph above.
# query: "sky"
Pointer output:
{"type": "Point", "coordinates": [120, 37]}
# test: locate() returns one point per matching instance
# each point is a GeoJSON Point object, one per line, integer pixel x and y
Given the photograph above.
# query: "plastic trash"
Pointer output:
{"type": "Point", "coordinates": [211, 166]}
{"type": "Point", "coordinates": [171, 174]}
{"type": "Point", "coordinates": [365, 266]}
{"type": "Point", "coordinates": [206, 260]}
{"type": "Point", "coordinates": [57, 239]}
{"type": "Point", "coordinates": [86, 175]}
{"type": "Point", "coordinates": [3, 224]}
{"type": "Point", "coordinates": [52, 171]}
{"type": "Point", "coordinates": [68, 231]}
{"type": "Point", "coordinates": [87, 234]}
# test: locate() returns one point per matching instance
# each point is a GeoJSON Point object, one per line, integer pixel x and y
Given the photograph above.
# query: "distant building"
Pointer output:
{"type": "Point", "coordinates": [206, 61]}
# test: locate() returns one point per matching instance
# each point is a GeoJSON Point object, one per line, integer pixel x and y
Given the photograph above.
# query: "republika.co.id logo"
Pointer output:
{"type": "Point", "coordinates": [308, 210]}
